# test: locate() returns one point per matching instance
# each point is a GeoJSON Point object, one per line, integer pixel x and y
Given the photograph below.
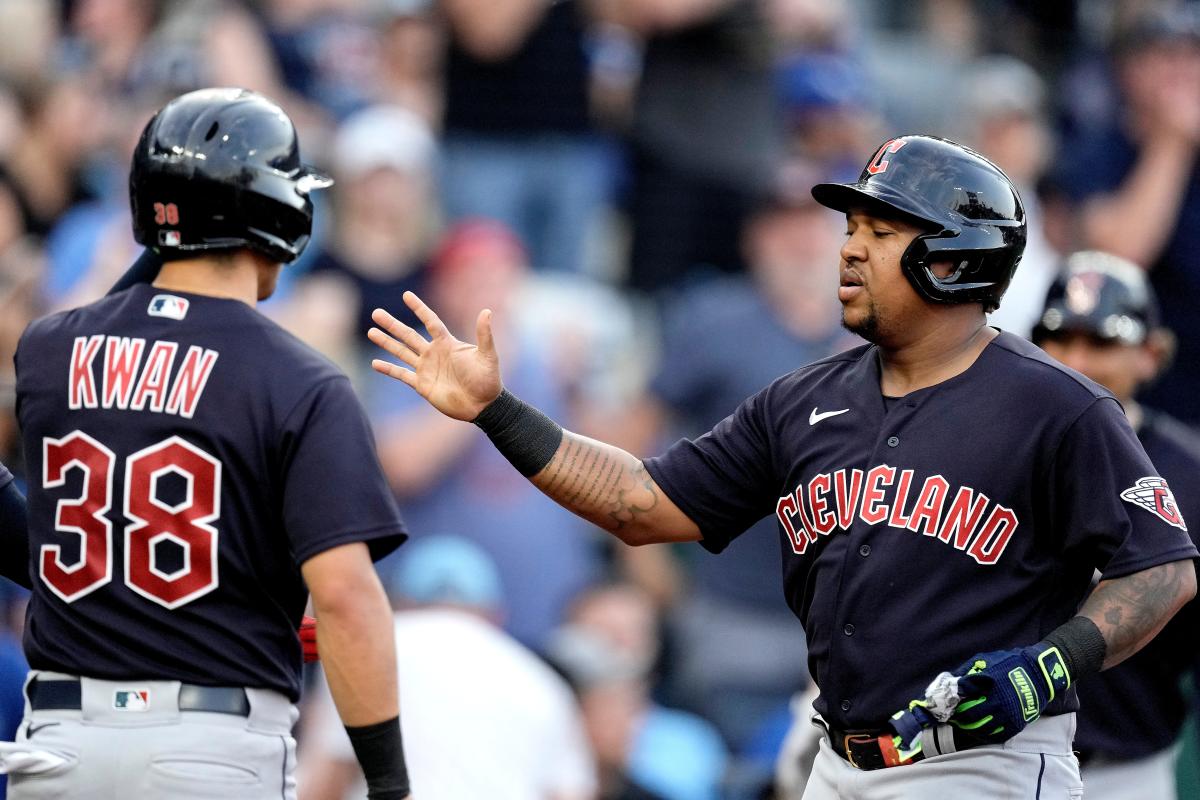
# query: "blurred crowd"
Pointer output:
{"type": "Point", "coordinates": [625, 183]}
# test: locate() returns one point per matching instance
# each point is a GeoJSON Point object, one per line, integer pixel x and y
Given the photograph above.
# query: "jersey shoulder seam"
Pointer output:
{"type": "Point", "coordinates": [1056, 369]}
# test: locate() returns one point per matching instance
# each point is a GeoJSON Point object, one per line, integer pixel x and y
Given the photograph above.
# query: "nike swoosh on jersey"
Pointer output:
{"type": "Point", "coordinates": [814, 417]}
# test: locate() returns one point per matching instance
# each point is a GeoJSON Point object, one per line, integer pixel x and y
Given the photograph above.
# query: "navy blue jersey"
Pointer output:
{"type": "Point", "coordinates": [186, 455]}
{"type": "Point", "coordinates": [1137, 708]}
{"type": "Point", "coordinates": [968, 517]}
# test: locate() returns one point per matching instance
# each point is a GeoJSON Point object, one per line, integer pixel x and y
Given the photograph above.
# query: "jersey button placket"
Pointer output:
{"type": "Point", "coordinates": [848, 629]}
{"type": "Point", "coordinates": [893, 441]}
{"type": "Point", "coordinates": [865, 550]}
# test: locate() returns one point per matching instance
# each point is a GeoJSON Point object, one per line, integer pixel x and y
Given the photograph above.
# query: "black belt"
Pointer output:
{"type": "Point", "coordinates": [875, 749]}
{"type": "Point", "coordinates": [53, 694]}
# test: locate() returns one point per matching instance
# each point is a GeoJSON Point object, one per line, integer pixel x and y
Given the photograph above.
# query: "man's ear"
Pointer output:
{"type": "Point", "coordinates": [1161, 344]}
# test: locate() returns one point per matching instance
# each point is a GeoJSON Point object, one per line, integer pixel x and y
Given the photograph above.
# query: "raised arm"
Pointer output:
{"type": "Point", "coordinates": [596, 481]}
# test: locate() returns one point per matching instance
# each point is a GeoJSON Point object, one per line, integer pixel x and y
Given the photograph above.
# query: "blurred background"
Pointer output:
{"type": "Point", "coordinates": [625, 182]}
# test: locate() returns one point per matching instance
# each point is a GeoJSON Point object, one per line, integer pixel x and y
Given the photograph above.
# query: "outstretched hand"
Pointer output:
{"type": "Point", "coordinates": [457, 378]}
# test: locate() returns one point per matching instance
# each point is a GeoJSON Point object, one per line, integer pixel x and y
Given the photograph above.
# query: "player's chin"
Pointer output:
{"type": "Point", "coordinates": [860, 321]}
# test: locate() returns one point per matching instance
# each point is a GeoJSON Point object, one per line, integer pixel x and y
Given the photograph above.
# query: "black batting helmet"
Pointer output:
{"type": "Point", "coordinates": [1100, 295]}
{"type": "Point", "coordinates": [219, 169]}
{"type": "Point", "coordinates": [971, 210]}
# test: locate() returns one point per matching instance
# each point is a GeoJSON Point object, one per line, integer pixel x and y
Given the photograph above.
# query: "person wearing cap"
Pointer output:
{"type": "Point", "coordinates": [1136, 182]}
{"type": "Point", "coordinates": [1101, 318]}
{"type": "Point", "coordinates": [384, 208]}
{"type": "Point", "coordinates": [943, 494]}
{"type": "Point", "coordinates": [484, 716]}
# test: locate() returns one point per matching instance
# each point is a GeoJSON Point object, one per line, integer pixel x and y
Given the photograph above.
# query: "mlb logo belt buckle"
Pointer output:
{"type": "Point", "coordinates": [131, 700]}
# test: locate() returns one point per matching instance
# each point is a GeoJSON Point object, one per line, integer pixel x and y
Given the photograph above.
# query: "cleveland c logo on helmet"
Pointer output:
{"type": "Point", "coordinates": [879, 163]}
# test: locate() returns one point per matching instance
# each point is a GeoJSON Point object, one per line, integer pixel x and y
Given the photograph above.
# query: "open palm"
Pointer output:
{"type": "Point", "coordinates": [457, 378]}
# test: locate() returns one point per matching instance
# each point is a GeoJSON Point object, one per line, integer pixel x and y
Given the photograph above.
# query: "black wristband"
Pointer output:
{"type": "Point", "coordinates": [380, 753]}
{"type": "Point", "coordinates": [1082, 646]}
{"type": "Point", "coordinates": [522, 434]}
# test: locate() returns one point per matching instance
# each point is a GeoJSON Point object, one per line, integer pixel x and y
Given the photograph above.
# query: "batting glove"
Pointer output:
{"type": "Point", "coordinates": [908, 724]}
{"type": "Point", "coordinates": [1003, 691]}
{"type": "Point", "coordinates": [308, 639]}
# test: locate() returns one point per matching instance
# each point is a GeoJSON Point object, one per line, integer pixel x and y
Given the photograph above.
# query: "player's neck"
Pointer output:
{"type": "Point", "coordinates": [233, 278]}
{"type": "Point", "coordinates": [938, 355]}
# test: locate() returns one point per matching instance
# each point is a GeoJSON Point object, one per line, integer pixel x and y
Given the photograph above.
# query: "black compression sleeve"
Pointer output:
{"type": "Point", "coordinates": [14, 536]}
{"type": "Point", "coordinates": [380, 753]}
{"type": "Point", "coordinates": [144, 270]}
{"type": "Point", "coordinates": [1082, 646]}
{"type": "Point", "coordinates": [522, 434]}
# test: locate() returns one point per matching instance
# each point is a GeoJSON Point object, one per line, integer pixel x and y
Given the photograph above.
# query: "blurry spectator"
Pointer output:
{"type": "Point", "coordinates": [705, 135]}
{"type": "Point", "coordinates": [828, 112]}
{"type": "Point", "coordinates": [92, 244]}
{"type": "Point", "coordinates": [644, 750]}
{"type": "Point", "coordinates": [28, 36]}
{"type": "Point", "coordinates": [482, 716]}
{"type": "Point", "coordinates": [64, 125]}
{"type": "Point", "coordinates": [739, 655]}
{"type": "Point", "coordinates": [1005, 120]}
{"type": "Point", "coordinates": [411, 58]}
{"type": "Point", "coordinates": [1139, 183]}
{"type": "Point", "coordinates": [1101, 318]}
{"type": "Point", "coordinates": [519, 144]}
{"type": "Point", "coordinates": [135, 46]}
{"type": "Point", "coordinates": [327, 51]}
{"type": "Point", "coordinates": [448, 476]}
{"type": "Point", "coordinates": [384, 208]}
{"type": "Point", "coordinates": [21, 265]}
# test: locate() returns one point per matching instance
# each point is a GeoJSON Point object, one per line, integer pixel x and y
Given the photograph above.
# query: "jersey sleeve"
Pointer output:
{"type": "Point", "coordinates": [334, 488]}
{"type": "Point", "coordinates": [723, 480]}
{"type": "Point", "coordinates": [1114, 510]}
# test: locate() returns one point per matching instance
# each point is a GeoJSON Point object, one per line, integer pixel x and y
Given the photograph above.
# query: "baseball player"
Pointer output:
{"type": "Point", "coordinates": [1101, 318]}
{"type": "Point", "coordinates": [943, 492]}
{"type": "Point", "coordinates": [193, 469]}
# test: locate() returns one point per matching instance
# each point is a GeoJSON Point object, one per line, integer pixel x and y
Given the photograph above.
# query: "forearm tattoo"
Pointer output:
{"type": "Point", "coordinates": [601, 483]}
{"type": "Point", "coordinates": [1129, 611]}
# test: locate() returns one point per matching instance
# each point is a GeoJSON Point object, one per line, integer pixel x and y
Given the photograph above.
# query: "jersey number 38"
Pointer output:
{"type": "Point", "coordinates": [151, 521]}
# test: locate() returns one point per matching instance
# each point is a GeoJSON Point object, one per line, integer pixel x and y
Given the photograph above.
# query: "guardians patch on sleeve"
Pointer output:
{"type": "Point", "coordinates": [1153, 494]}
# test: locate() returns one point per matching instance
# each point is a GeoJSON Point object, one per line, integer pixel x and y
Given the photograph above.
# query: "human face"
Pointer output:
{"type": "Point", "coordinates": [1120, 368]}
{"type": "Point", "coordinates": [877, 300]}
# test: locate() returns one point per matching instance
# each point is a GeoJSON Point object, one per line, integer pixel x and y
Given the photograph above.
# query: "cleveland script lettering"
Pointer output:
{"type": "Point", "coordinates": [136, 375]}
{"type": "Point", "coordinates": [815, 510]}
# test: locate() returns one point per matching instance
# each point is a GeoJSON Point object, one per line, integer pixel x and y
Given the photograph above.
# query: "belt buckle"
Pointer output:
{"type": "Point", "coordinates": [857, 738]}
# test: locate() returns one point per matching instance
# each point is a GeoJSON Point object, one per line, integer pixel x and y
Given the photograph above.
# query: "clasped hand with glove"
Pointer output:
{"type": "Point", "coordinates": [990, 697]}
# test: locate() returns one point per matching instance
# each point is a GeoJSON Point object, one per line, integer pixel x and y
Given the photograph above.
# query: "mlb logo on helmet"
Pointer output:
{"type": "Point", "coordinates": [1153, 494]}
{"type": "Point", "coordinates": [131, 699]}
{"type": "Point", "coordinates": [169, 306]}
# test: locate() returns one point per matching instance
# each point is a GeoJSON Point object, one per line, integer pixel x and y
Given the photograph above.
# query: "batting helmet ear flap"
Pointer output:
{"type": "Point", "coordinates": [982, 263]}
